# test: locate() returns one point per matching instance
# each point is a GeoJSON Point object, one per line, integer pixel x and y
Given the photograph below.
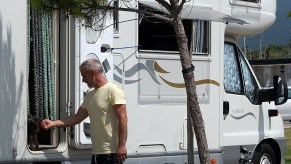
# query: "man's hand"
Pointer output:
{"type": "Point", "coordinates": [121, 154]}
{"type": "Point", "coordinates": [46, 124]}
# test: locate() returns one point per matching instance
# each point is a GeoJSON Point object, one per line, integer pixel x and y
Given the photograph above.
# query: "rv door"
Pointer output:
{"type": "Point", "coordinates": [93, 39]}
{"type": "Point", "coordinates": [242, 122]}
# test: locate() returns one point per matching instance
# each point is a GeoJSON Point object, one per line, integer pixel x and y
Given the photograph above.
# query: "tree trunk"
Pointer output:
{"type": "Point", "coordinates": [192, 99]}
{"type": "Point", "coordinates": [190, 145]}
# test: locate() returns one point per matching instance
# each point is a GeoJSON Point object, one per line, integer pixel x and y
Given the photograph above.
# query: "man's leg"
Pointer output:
{"type": "Point", "coordinates": [104, 159]}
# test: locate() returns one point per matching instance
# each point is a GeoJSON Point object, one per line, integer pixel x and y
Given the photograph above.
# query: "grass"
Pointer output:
{"type": "Point", "coordinates": [288, 141]}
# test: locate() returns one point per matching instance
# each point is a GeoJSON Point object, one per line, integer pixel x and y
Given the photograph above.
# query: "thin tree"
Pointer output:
{"type": "Point", "coordinates": [88, 9]}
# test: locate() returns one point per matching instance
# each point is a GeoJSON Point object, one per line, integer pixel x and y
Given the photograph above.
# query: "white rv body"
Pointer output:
{"type": "Point", "coordinates": [153, 84]}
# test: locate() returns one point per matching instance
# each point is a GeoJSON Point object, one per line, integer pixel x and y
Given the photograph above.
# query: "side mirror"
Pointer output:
{"type": "Point", "coordinates": [281, 90]}
{"type": "Point", "coordinates": [279, 93]}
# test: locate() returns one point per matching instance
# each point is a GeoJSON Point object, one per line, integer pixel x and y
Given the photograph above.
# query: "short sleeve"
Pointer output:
{"type": "Point", "coordinates": [85, 102]}
{"type": "Point", "coordinates": [117, 96]}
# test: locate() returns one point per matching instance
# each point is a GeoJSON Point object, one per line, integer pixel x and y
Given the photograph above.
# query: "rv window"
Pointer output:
{"type": "Point", "coordinates": [156, 35]}
{"type": "Point", "coordinates": [116, 17]}
{"type": "Point", "coordinates": [249, 81]}
{"type": "Point", "coordinates": [200, 37]}
{"type": "Point", "coordinates": [232, 77]}
{"type": "Point", "coordinates": [238, 78]}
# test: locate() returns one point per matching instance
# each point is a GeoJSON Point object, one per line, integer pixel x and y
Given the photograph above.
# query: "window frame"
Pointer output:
{"type": "Point", "coordinates": [239, 58]}
{"type": "Point", "coordinates": [146, 53]}
{"type": "Point", "coordinates": [249, 3]}
{"type": "Point", "coordinates": [242, 92]}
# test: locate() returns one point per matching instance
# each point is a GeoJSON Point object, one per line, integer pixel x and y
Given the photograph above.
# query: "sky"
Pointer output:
{"type": "Point", "coordinates": [280, 32]}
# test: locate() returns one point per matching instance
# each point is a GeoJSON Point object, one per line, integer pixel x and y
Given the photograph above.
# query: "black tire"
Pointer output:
{"type": "Point", "coordinates": [264, 154]}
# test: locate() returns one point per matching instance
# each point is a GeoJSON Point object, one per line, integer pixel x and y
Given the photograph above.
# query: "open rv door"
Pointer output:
{"type": "Point", "coordinates": [93, 40]}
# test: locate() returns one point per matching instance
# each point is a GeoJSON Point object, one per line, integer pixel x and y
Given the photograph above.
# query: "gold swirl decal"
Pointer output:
{"type": "Point", "coordinates": [207, 81]}
{"type": "Point", "coordinates": [182, 85]}
{"type": "Point", "coordinates": [158, 68]}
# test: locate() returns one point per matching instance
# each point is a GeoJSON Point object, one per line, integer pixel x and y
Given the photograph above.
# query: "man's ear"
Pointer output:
{"type": "Point", "coordinates": [93, 72]}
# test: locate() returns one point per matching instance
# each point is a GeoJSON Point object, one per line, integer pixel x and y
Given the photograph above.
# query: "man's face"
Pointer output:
{"type": "Point", "coordinates": [87, 77]}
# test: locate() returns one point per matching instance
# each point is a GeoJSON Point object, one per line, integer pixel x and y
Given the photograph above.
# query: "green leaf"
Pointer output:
{"type": "Point", "coordinates": [79, 8]}
{"type": "Point", "coordinates": [36, 4]}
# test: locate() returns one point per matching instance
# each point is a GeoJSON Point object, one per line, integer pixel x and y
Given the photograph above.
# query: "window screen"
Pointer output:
{"type": "Point", "coordinates": [156, 35]}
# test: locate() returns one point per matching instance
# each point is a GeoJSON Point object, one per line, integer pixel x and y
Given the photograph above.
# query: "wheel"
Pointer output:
{"type": "Point", "coordinates": [264, 154]}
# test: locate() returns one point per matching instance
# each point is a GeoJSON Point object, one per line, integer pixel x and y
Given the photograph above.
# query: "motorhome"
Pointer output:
{"type": "Point", "coordinates": [40, 56]}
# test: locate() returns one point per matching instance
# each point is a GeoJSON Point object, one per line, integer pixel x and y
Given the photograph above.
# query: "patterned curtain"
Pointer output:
{"type": "Point", "coordinates": [40, 76]}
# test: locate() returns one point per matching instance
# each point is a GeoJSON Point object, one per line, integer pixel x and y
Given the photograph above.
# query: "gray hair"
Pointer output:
{"type": "Point", "coordinates": [92, 64]}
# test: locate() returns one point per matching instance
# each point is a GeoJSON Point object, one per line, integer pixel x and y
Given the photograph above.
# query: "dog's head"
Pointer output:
{"type": "Point", "coordinates": [32, 124]}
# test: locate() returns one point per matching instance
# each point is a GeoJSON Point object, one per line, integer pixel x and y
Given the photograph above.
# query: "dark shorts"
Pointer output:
{"type": "Point", "coordinates": [104, 158]}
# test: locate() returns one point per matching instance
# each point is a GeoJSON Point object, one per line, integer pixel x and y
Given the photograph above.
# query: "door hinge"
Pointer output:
{"type": "Point", "coordinates": [14, 152]}
{"type": "Point", "coordinates": [69, 106]}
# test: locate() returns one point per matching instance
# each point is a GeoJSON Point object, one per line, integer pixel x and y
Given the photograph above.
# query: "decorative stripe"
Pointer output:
{"type": "Point", "coordinates": [240, 117]}
{"type": "Point", "coordinates": [182, 85]}
{"type": "Point", "coordinates": [175, 85]}
{"type": "Point", "coordinates": [158, 68]}
{"type": "Point", "coordinates": [207, 81]}
{"type": "Point", "coordinates": [138, 67]}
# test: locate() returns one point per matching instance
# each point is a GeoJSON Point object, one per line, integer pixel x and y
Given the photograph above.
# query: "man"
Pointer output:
{"type": "Point", "coordinates": [106, 107]}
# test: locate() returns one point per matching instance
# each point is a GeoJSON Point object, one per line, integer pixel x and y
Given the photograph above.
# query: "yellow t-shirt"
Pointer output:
{"type": "Point", "coordinates": [103, 119]}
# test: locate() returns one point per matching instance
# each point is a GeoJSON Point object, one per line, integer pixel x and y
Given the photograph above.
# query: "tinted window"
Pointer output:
{"type": "Point", "coordinates": [250, 85]}
{"type": "Point", "coordinates": [232, 78]}
{"type": "Point", "coordinates": [238, 77]}
{"type": "Point", "coordinates": [157, 35]}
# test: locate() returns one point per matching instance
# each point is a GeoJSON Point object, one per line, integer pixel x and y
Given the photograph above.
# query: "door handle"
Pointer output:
{"type": "Point", "coordinates": [225, 108]}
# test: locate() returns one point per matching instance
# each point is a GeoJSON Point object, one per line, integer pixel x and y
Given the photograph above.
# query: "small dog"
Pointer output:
{"type": "Point", "coordinates": [32, 130]}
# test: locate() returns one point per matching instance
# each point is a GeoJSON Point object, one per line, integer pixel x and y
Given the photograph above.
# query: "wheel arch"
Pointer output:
{"type": "Point", "coordinates": [274, 145]}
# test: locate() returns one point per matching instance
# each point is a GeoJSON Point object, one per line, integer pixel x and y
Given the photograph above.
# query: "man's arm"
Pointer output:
{"type": "Point", "coordinates": [67, 121]}
{"type": "Point", "coordinates": [120, 110]}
